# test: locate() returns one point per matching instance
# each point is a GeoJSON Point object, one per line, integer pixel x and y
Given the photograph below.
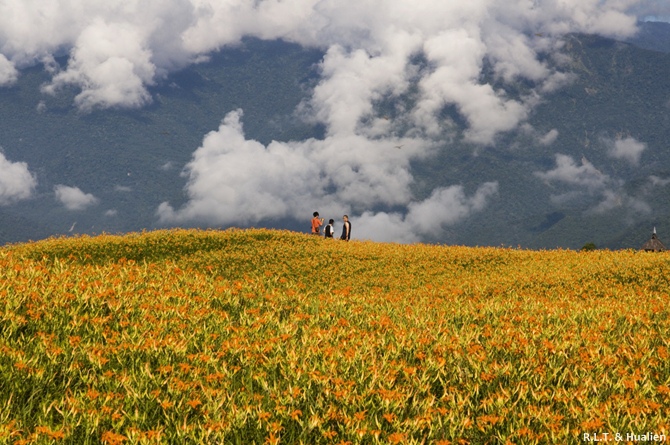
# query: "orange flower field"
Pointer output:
{"type": "Point", "coordinates": [274, 337]}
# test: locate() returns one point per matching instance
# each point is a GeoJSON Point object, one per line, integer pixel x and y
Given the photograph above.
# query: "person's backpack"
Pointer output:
{"type": "Point", "coordinates": [329, 231]}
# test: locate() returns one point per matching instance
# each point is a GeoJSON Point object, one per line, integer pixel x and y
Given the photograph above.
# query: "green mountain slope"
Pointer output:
{"type": "Point", "coordinates": [621, 92]}
{"type": "Point", "coordinates": [131, 160]}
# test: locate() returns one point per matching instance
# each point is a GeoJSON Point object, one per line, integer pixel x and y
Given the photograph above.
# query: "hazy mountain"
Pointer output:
{"type": "Point", "coordinates": [589, 164]}
{"type": "Point", "coordinates": [652, 35]}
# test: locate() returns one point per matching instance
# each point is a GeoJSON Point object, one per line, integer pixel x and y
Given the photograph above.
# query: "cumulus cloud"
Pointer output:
{"type": "Point", "coordinates": [544, 139]}
{"type": "Point", "coordinates": [557, 80]}
{"type": "Point", "coordinates": [550, 137]}
{"type": "Point", "coordinates": [583, 175]}
{"type": "Point", "coordinates": [16, 181]}
{"type": "Point", "coordinates": [8, 73]}
{"type": "Point", "coordinates": [232, 179]}
{"type": "Point", "coordinates": [655, 181]}
{"type": "Point", "coordinates": [586, 180]}
{"type": "Point", "coordinates": [118, 48]}
{"type": "Point", "coordinates": [627, 149]}
{"type": "Point", "coordinates": [370, 48]}
{"type": "Point", "coordinates": [438, 54]}
{"type": "Point", "coordinates": [613, 200]}
{"type": "Point", "coordinates": [73, 198]}
{"type": "Point", "coordinates": [351, 81]}
{"type": "Point", "coordinates": [110, 60]}
{"type": "Point", "coordinates": [446, 206]}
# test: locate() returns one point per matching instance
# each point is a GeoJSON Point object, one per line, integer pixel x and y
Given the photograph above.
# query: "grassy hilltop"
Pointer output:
{"type": "Point", "coordinates": [266, 337]}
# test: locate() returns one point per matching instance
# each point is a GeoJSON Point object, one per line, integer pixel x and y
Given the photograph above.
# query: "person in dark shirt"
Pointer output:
{"type": "Point", "coordinates": [346, 229]}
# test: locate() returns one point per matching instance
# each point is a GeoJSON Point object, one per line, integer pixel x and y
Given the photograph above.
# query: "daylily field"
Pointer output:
{"type": "Point", "coordinates": [273, 337]}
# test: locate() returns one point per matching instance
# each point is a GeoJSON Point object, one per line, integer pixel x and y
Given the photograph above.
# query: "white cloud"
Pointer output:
{"type": "Point", "coordinates": [587, 180]}
{"type": "Point", "coordinates": [73, 198]}
{"type": "Point", "coordinates": [628, 149]}
{"type": "Point", "coordinates": [112, 63]}
{"type": "Point", "coordinates": [383, 227]}
{"type": "Point", "coordinates": [550, 137]}
{"type": "Point", "coordinates": [617, 200]}
{"type": "Point", "coordinates": [556, 81]}
{"type": "Point", "coordinates": [8, 73]}
{"type": "Point", "coordinates": [233, 180]}
{"type": "Point", "coordinates": [120, 47]}
{"type": "Point", "coordinates": [167, 166]}
{"type": "Point", "coordinates": [117, 48]}
{"type": "Point", "coordinates": [445, 207]}
{"type": "Point", "coordinates": [351, 81]}
{"type": "Point", "coordinates": [545, 139]}
{"type": "Point", "coordinates": [567, 171]}
{"type": "Point", "coordinates": [455, 81]}
{"type": "Point", "coordinates": [655, 181]}
{"type": "Point", "coordinates": [16, 181]}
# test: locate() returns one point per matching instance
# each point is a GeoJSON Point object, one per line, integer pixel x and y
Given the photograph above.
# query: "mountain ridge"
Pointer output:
{"type": "Point", "coordinates": [130, 160]}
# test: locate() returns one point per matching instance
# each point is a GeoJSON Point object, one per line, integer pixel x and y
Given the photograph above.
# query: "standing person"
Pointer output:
{"type": "Point", "coordinates": [316, 223]}
{"type": "Point", "coordinates": [329, 230]}
{"type": "Point", "coordinates": [346, 229]}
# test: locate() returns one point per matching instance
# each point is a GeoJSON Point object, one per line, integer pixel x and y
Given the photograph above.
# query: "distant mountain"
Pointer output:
{"type": "Point", "coordinates": [597, 191]}
{"type": "Point", "coordinates": [591, 165]}
{"type": "Point", "coordinates": [130, 160]}
{"type": "Point", "coordinates": [652, 35]}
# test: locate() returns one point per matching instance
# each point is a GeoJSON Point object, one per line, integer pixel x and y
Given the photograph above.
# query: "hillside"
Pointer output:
{"type": "Point", "coordinates": [619, 92]}
{"type": "Point", "coordinates": [259, 336]}
{"type": "Point", "coordinates": [131, 161]}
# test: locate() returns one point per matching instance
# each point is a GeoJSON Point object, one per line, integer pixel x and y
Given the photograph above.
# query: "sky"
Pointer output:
{"type": "Point", "coordinates": [118, 49]}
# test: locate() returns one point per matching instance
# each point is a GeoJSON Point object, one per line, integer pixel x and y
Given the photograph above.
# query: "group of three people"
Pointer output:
{"type": "Point", "coordinates": [329, 230]}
